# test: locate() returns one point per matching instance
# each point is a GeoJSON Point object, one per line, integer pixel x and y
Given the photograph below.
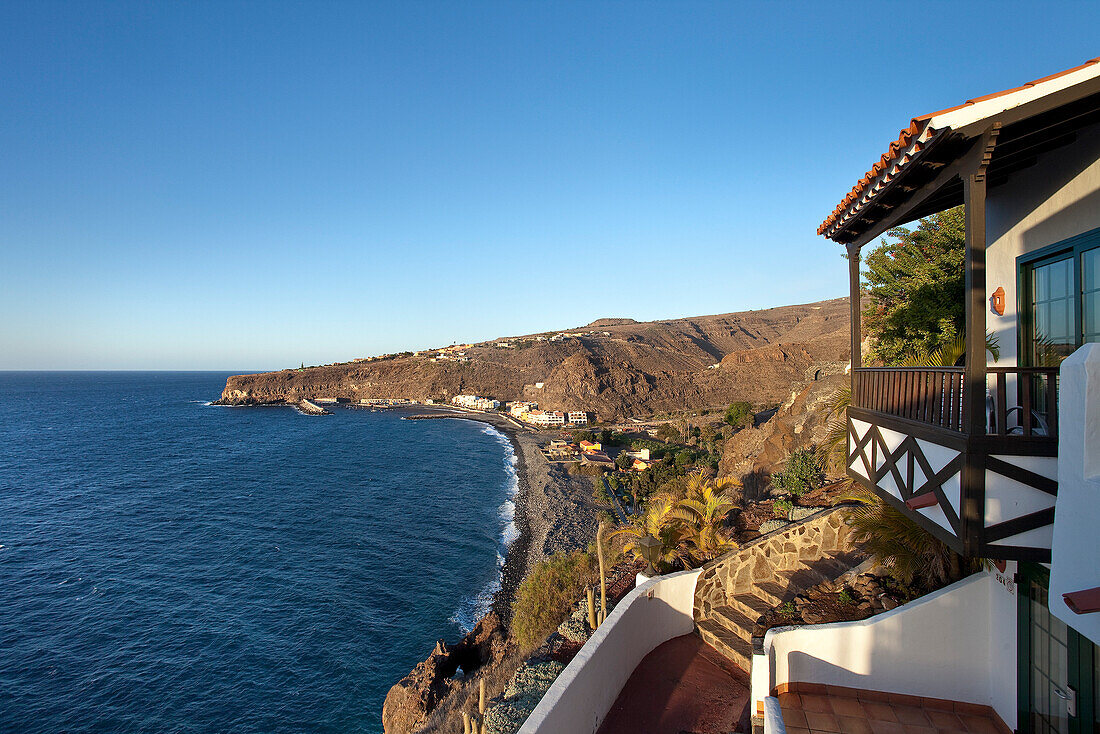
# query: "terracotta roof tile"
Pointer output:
{"type": "Point", "coordinates": [920, 130]}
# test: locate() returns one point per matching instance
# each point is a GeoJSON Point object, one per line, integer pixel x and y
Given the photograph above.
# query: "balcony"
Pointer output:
{"type": "Point", "coordinates": [987, 493]}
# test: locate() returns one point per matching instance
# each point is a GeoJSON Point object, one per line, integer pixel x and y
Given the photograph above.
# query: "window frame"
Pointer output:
{"type": "Point", "coordinates": [1071, 249]}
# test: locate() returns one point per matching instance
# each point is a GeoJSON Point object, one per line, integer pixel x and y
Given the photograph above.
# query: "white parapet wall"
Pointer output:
{"type": "Point", "coordinates": [956, 644]}
{"type": "Point", "coordinates": [651, 614]}
{"type": "Point", "coordinates": [1073, 565]}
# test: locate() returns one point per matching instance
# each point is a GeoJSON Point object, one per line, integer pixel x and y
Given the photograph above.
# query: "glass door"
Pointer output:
{"type": "Point", "coordinates": [1057, 669]}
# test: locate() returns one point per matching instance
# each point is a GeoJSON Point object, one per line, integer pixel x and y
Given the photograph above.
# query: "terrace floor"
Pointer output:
{"type": "Point", "coordinates": [845, 711]}
{"type": "Point", "coordinates": [681, 686]}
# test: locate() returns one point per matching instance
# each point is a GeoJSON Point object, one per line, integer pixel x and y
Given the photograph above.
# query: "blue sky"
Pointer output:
{"type": "Point", "coordinates": [254, 185]}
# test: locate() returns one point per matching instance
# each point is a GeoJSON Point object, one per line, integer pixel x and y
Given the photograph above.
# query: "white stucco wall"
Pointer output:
{"type": "Point", "coordinates": [1054, 200]}
{"type": "Point", "coordinates": [1075, 555]}
{"type": "Point", "coordinates": [651, 614]}
{"type": "Point", "coordinates": [958, 643]}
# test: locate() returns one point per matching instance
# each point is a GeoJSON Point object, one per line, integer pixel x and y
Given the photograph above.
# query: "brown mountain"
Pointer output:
{"type": "Point", "coordinates": [616, 368]}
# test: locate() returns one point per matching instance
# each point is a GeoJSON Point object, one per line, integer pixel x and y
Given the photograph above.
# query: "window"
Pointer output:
{"type": "Point", "coordinates": [1060, 299]}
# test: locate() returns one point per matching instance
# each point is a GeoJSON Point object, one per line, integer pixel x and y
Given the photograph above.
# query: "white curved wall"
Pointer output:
{"type": "Point", "coordinates": [957, 644]}
{"type": "Point", "coordinates": [652, 613]}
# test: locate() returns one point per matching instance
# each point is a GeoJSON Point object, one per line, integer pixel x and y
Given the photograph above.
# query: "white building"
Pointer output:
{"type": "Point", "coordinates": [475, 402]}
{"type": "Point", "coordinates": [578, 418]}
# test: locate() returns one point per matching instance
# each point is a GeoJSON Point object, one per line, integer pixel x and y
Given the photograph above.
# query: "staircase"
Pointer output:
{"type": "Point", "coordinates": [735, 591]}
{"type": "Point", "coordinates": [729, 628]}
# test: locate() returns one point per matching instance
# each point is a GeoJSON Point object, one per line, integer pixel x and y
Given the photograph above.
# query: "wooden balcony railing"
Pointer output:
{"type": "Point", "coordinates": [931, 395]}
{"type": "Point", "coordinates": [1023, 401]}
{"type": "Point", "coordinates": [1031, 409]}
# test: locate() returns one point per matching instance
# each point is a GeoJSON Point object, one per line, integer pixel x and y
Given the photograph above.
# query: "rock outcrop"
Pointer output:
{"type": "Point", "coordinates": [411, 699]}
{"type": "Point", "coordinates": [753, 454]}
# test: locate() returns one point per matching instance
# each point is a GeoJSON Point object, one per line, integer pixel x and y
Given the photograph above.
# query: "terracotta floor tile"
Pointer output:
{"type": "Point", "coordinates": [914, 729]}
{"type": "Point", "coordinates": [978, 724]}
{"type": "Point", "coordinates": [789, 700]}
{"type": "Point", "coordinates": [912, 715]}
{"type": "Point", "coordinates": [944, 719]}
{"type": "Point", "coordinates": [822, 722]}
{"type": "Point", "coordinates": [887, 727]}
{"type": "Point", "coordinates": [815, 702]}
{"type": "Point", "coordinates": [972, 709]}
{"type": "Point", "coordinates": [797, 718]}
{"type": "Point", "coordinates": [797, 730]}
{"type": "Point", "coordinates": [952, 731]}
{"type": "Point", "coordinates": [854, 725]}
{"type": "Point", "coordinates": [873, 696]}
{"type": "Point", "coordinates": [939, 704]}
{"type": "Point", "coordinates": [847, 707]}
{"type": "Point", "coordinates": [878, 711]}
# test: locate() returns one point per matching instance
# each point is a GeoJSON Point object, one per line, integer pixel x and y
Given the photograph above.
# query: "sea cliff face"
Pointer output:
{"type": "Point", "coordinates": [615, 370]}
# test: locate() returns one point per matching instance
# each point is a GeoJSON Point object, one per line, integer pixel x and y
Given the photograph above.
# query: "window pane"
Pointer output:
{"type": "Point", "coordinates": [1053, 313]}
{"type": "Point", "coordinates": [1091, 310]}
{"type": "Point", "coordinates": [1090, 302]}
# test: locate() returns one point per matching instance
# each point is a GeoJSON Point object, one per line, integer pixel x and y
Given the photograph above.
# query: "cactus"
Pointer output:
{"type": "Point", "coordinates": [481, 699]}
{"type": "Point", "coordinates": [592, 609]}
{"type": "Point", "coordinates": [465, 723]}
{"type": "Point", "coordinates": [603, 582]}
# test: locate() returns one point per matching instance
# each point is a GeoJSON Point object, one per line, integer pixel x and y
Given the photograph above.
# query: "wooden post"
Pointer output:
{"type": "Point", "coordinates": [974, 372]}
{"type": "Point", "coordinates": [855, 308]}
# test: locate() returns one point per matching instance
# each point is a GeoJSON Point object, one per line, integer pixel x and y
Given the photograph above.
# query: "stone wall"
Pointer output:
{"type": "Point", "coordinates": [823, 534]}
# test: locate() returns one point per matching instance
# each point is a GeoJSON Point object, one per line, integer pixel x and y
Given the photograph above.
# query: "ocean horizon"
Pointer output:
{"type": "Point", "coordinates": [171, 565]}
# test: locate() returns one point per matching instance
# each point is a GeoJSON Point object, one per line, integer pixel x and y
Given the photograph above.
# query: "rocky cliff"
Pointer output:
{"type": "Point", "coordinates": [616, 368]}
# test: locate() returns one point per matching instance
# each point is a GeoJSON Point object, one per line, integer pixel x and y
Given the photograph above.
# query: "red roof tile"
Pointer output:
{"type": "Point", "coordinates": [920, 130]}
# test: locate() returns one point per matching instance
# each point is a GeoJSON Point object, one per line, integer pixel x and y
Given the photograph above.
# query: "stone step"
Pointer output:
{"type": "Point", "coordinates": [750, 605]}
{"type": "Point", "coordinates": [776, 593]}
{"type": "Point", "coordinates": [726, 643]}
{"type": "Point", "coordinates": [734, 621]}
{"type": "Point", "coordinates": [804, 578]}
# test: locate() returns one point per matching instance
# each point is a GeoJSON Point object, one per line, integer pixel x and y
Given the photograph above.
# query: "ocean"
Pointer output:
{"type": "Point", "coordinates": [167, 565]}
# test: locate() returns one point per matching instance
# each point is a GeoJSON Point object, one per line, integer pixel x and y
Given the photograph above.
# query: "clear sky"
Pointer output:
{"type": "Point", "coordinates": [253, 185]}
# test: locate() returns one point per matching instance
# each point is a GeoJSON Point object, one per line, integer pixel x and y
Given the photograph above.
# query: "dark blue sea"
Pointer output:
{"type": "Point", "coordinates": [171, 566]}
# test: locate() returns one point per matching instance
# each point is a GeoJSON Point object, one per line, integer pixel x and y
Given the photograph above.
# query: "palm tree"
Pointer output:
{"type": "Point", "coordinates": [656, 522]}
{"type": "Point", "coordinates": [703, 512]}
{"type": "Point", "coordinates": [688, 519]}
{"type": "Point", "coordinates": [905, 550]}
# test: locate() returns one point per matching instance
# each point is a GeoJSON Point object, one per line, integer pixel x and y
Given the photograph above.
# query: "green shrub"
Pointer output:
{"type": "Point", "coordinates": [782, 508]}
{"type": "Point", "coordinates": [802, 473]}
{"type": "Point", "coordinates": [668, 433]}
{"type": "Point", "coordinates": [845, 596]}
{"type": "Point", "coordinates": [546, 597]}
{"type": "Point", "coordinates": [786, 609]}
{"type": "Point", "coordinates": [739, 414]}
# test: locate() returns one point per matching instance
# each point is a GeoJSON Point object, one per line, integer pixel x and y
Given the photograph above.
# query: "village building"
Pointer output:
{"type": "Point", "coordinates": [577, 418]}
{"type": "Point", "coordinates": [589, 447]}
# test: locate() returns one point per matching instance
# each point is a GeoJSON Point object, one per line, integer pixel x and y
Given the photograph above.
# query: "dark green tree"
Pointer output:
{"type": "Point", "coordinates": [739, 414]}
{"type": "Point", "coordinates": [915, 280]}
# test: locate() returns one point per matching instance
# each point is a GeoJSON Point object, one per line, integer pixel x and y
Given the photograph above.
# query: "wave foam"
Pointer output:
{"type": "Point", "coordinates": [473, 608]}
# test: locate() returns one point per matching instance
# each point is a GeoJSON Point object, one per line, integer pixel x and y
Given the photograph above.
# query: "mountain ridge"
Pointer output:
{"type": "Point", "coordinates": [615, 370]}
